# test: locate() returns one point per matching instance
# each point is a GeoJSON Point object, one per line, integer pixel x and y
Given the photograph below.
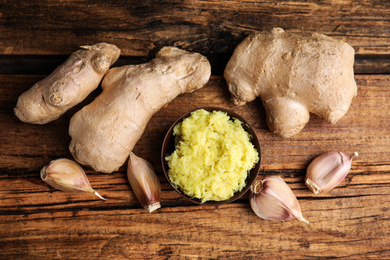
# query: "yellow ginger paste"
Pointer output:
{"type": "Point", "coordinates": [213, 156]}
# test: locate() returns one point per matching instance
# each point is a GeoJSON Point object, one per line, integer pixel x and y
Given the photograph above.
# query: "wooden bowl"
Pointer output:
{"type": "Point", "coordinates": [169, 146]}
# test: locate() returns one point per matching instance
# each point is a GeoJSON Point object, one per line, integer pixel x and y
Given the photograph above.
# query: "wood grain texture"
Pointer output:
{"type": "Point", "coordinates": [37, 222]}
{"type": "Point", "coordinates": [351, 221]}
{"type": "Point", "coordinates": [139, 28]}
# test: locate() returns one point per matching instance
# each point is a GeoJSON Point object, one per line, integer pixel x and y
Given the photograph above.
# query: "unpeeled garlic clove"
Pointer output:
{"type": "Point", "coordinates": [327, 170]}
{"type": "Point", "coordinates": [144, 182]}
{"type": "Point", "coordinates": [66, 175]}
{"type": "Point", "coordinates": [272, 199]}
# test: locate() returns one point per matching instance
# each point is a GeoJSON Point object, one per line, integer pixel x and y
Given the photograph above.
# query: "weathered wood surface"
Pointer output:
{"type": "Point", "coordinates": [37, 222]}
{"type": "Point", "coordinates": [141, 27]}
{"type": "Point", "coordinates": [352, 221]}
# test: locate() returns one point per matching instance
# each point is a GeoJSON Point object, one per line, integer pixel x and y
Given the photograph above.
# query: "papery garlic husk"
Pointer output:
{"type": "Point", "coordinates": [144, 182]}
{"type": "Point", "coordinates": [272, 199]}
{"type": "Point", "coordinates": [66, 175]}
{"type": "Point", "coordinates": [327, 170]}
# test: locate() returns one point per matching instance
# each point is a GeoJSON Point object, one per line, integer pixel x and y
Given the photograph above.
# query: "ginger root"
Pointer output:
{"type": "Point", "coordinates": [106, 131]}
{"type": "Point", "coordinates": [67, 85]}
{"type": "Point", "coordinates": [293, 74]}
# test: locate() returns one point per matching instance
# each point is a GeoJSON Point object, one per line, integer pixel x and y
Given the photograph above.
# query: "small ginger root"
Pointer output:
{"type": "Point", "coordinates": [67, 85]}
{"type": "Point", "coordinates": [293, 74]}
{"type": "Point", "coordinates": [106, 131]}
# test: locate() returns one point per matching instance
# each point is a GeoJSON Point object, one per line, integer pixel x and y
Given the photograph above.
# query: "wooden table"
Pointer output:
{"type": "Point", "coordinates": [38, 222]}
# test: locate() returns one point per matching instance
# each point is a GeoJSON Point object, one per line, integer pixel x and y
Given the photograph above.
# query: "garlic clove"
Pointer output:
{"type": "Point", "coordinates": [327, 170]}
{"type": "Point", "coordinates": [272, 199]}
{"type": "Point", "coordinates": [144, 182]}
{"type": "Point", "coordinates": [66, 175]}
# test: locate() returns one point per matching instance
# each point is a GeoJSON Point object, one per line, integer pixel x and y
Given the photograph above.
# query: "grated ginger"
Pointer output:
{"type": "Point", "coordinates": [212, 157]}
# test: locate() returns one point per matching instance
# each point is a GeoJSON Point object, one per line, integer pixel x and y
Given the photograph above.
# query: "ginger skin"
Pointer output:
{"type": "Point", "coordinates": [67, 85]}
{"type": "Point", "coordinates": [106, 131]}
{"type": "Point", "coordinates": [294, 74]}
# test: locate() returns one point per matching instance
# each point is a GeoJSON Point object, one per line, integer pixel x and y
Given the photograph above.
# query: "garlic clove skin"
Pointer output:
{"type": "Point", "coordinates": [144, 182]}
{"type": "Point", "coordinates": [327, 170]}
{"type": "Point", "coordinates": [272, 199]}
{"type": "Point", "coordinates": [66, 175]}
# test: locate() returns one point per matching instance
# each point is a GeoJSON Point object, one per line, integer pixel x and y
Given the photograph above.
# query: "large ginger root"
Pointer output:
{"type": "Point", "coordinates": [293, 74]}
{"type": "Point", "coordinates": [105, 131]}
{"type": "Point", "coordinates": [67, 85]}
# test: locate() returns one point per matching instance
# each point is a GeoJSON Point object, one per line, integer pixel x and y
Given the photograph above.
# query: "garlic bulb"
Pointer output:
{"type": "Point", "coordinates": [327, 170]}
{"type": "Point", "coordinates": [272, 199]}
{"type": "Point", "coordinates": [66, 175]}
{"type": "Point", "coordinates": [144, 182]}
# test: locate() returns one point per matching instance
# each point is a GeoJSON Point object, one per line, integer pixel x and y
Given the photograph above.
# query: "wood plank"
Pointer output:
{"type": "Point", "coordinates": [139, 28]}
{"type": "Point", "coordinates": [351, 228]}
